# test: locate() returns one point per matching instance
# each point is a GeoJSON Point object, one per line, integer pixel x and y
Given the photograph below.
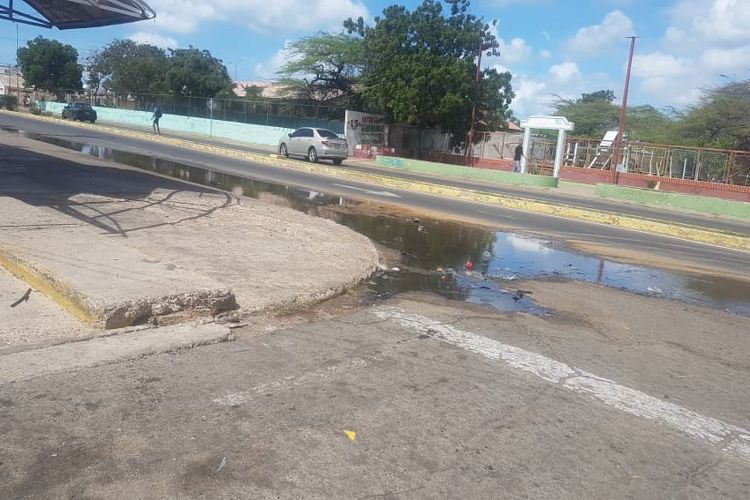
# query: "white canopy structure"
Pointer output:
{"type": "Point", "coordinates": [71, 14]}
{"type": "Point", "coordinates": [559, 123]}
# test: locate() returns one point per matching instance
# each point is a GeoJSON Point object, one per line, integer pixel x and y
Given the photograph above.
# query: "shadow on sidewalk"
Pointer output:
{"type": "Point", "coordinates": [101, 196]}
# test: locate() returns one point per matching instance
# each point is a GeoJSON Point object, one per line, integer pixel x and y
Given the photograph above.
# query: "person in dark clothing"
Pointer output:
{"type": "Point", "coordinates": [517, 157]}
{"type": "Point", "coordinates": [156, 118]}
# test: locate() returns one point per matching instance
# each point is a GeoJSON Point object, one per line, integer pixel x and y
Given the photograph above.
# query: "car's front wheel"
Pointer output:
{"type": "Point", "coordinates": [312, 155]}
{"type": "Point", "coordinates": [283, 151]}
{"type": "Point", "coordinates": [337, 161]}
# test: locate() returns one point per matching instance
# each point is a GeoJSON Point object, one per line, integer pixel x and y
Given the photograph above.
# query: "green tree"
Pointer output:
{"type": "Point", "coordinates": [599, 96]}
{"type": "Point", "coordinates": [648, 124]}
{"type": "Point", "coordinates": [595, 113]}
{"type": "Point", "coordinates": [127, 67]}
{"type": "Point", "coordinates": [592, 116]}
{"type": "Point", "coordinates": [51, 66]}
{"type": "Point", "coordinates": [721, 119]}
{"type": "Point", "coordinates": [197, 73]}
{"type": "Point", "coordinates": [323, 67]}
{"type": "Point", "coordinates": [419, 66]}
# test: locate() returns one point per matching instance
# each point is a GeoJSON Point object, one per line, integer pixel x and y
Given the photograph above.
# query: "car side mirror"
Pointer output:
{"type": "Point", "coordinates": [289, 135]}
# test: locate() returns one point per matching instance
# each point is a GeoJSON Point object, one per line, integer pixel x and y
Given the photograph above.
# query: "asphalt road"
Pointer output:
{"type": "Point", "coordinates": [408, 399]}
{"type": "Point", "coordinates": [694, 255]}
{"type": "Point", "coordinates": [662, 214]}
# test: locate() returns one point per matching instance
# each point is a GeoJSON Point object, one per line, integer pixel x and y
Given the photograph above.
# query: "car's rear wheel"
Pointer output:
{"type": "Point", "coordinates": [312, 155]}
{"type": "Point", "coordinates": [337, 161]}
{"type": "Point", "coordinates": [283, 151]}
{"type": "Point", "coordinates": [93, 120]}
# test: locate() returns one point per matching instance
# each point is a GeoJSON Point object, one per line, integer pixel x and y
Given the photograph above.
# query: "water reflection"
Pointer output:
{"type": "Point", "coordinates": [435, 252]}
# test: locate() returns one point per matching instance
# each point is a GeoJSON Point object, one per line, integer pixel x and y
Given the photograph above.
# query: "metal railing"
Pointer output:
{"type": "Point", "coordinates": [668, 160]}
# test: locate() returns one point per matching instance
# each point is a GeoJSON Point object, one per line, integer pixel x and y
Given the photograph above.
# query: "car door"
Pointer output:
{"type": "Point", "coordinates": [294, 142]}
{"type": "Point", "coordinates": [303, 141]}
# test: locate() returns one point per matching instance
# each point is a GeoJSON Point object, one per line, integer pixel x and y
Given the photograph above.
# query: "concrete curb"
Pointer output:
{"type": "Point", "coordinates": [703, 204]}
{"type": "Point", "coordinates": [498, 177]}
{"type": "Point", "coordinates": [111, 315]}
{"type": "Point", "coordinates": [26, 365]}
{"type": "Point", "coordinates": [686, 232]}
{"type": "Point", "coordinates": [45, 282]}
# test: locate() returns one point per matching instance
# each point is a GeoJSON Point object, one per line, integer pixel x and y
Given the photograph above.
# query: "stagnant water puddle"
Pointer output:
{"type": "Point", "coordinates": [435, 253]}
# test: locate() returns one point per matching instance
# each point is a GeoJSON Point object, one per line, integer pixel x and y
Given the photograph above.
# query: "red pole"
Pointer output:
{"type": "Point", "coordinates": [623, 108]}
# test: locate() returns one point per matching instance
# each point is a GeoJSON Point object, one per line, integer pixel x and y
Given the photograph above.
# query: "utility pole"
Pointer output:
{"type": "Point", "coordinates": [623, 109]}
{"type": "Point", "coordinates": [470, 137]}
{"type": "Point", "coordinates": [18, 69]}
{"type": "Point", "coordinates": [236, 63]}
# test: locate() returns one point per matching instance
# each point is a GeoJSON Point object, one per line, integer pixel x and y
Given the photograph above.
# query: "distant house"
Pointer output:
{"type": "Point", "coordinates": [11, 80]}
{"type": "Point", "coordinates": [269, 89]}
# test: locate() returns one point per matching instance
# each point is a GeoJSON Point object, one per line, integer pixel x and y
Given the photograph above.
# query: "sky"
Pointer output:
{"type": "Point", "coordinates": [553, 48]}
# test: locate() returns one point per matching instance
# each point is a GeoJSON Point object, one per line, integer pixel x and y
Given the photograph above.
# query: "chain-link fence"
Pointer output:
{"type": "Point", "coordinates": [270, 112]}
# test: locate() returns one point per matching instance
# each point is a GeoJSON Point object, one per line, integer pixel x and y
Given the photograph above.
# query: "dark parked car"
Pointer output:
{"type": "Point", "coordinates": [79, 111]}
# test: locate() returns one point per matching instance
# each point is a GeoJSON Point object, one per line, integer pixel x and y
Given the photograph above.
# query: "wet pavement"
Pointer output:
{"type": "Point", "coordinates": [435, 253]}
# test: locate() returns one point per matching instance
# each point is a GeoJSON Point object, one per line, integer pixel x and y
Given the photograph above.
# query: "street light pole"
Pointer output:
{"type": "Point", "coordinates": [623, 109]}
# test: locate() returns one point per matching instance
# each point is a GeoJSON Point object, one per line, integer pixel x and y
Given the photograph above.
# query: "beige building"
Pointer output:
{"type": "Point", "coordinates": [10, 81]}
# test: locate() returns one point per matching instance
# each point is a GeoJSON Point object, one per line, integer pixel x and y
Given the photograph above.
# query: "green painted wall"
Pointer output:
{"type": "Point", "coordinates": [246, 132]}
{"type": "Point", "coordinates": [704, 204]}
{"type": "Point", "coordinates": [469, 173]}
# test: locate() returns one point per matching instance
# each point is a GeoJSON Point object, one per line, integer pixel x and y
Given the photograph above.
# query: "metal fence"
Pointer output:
{"type": "Point", "coordinates": [683, 162]}
{"type": "Point", "coordinates": [270, 112]}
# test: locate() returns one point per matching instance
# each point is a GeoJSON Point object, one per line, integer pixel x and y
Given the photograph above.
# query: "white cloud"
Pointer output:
{"type": "Point", "coordinates": [728, 20]}
{"type": "Point", "coordinates": [185, 16]}
{"type": "Point", "coordinates": [164, 42]}
{"type": "Point", "coordinates": [267, 69]}
{"type": "Point", "coordinates": [516, 51]}
{"type": "Point", "coordinates": [658, 64]}
{"type": "Point", "coordinates": [593, 39]}
{"type": "Point", "coordinates": [727, 59]}
{"type": "Point", "coordinates": [545, 54]}
{"type": "Point", "coordinates": [531, 98]}
{"type": "Point", "coordinates": [565, 72]}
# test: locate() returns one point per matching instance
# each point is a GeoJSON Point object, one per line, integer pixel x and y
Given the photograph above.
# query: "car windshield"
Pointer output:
{"type": "Point", "coordinates": [327, 134]}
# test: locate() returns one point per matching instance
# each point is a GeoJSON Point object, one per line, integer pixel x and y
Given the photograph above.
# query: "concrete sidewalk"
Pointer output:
{"type": "Point", "coordinates": [118, 246]}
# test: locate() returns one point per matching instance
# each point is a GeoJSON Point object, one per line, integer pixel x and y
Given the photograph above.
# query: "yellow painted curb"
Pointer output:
{"type": "Point", "coordinates": [44, 282]}
{"type": "Point", "coordinates": [676, 230]}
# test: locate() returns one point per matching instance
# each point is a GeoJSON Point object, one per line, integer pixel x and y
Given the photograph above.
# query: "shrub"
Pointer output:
{"type": "Point", "coordinates": [9, 102]}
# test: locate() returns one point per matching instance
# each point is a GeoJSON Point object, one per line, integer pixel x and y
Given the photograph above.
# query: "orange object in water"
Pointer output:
{"type": "Point", "coordinates": [469, 265]}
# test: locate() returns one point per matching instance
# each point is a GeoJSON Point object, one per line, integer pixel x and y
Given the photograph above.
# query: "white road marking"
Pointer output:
{"type": "Point", "coordinates": [729, 437]}
{"type": "Point", "coordinates": [321, 375]}
{"type": "Point", "coordinates": [368, 191]}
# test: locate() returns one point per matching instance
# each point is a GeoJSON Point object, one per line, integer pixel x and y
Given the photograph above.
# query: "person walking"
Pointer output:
{"type": "Point", "coordinates": [155, 119]}
{"type": "Point", "coordinates": [517, 157]}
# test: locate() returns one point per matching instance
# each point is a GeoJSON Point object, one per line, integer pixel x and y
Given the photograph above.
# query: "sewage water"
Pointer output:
{"type": "Point", "coordinates": [434, 253]}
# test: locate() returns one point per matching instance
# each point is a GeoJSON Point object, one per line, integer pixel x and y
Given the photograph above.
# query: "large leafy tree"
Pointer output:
{"type": "Point", "coordinates": [721, 119]}
{"type": "Point", "coordinates": [593, 114]}
{"type": "Point", "coordinates": [420, 66]}
{"type": "Point", "coordinates": [127, 67]}
{"type": "Point", "coordinates": [596, 113]}
{"type": "Point", "coordinates": [50, 65]}
{"type": "Point", "coordinates": [324, 67]}
{"type": "Point", "coordinates": [195, 72]}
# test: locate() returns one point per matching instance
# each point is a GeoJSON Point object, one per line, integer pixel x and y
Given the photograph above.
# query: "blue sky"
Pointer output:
{"type": "Point", "coordinates": [552, 47]}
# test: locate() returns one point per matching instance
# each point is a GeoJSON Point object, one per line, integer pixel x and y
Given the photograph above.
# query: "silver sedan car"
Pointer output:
{"type": "Point", "coordinates": [314, 144]}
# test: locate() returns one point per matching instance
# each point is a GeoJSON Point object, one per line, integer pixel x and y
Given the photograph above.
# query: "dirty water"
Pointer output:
{"type": "Point", "coordinates": [435, 253]}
